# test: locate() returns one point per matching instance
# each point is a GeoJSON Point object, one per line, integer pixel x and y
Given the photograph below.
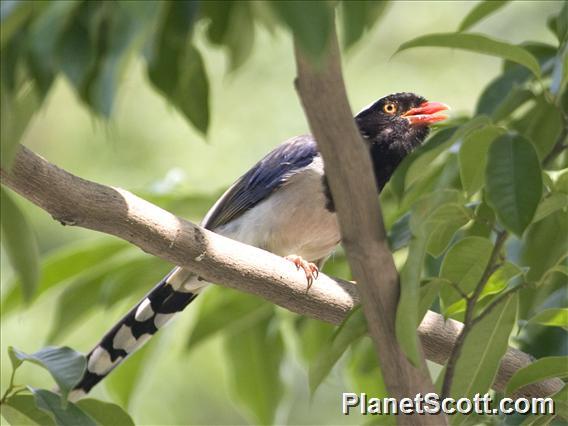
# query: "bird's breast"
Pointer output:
{"type": "Point", "coordinates": [292, 220]}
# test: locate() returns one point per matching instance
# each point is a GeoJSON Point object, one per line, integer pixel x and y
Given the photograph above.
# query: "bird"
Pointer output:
{"type": "Point", "coordinates": [264, 208]}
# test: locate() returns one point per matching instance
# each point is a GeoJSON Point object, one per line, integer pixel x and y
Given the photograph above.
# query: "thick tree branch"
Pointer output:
{"type": "Point", "coordinates": [351, 179]}
{"type": "Point", "coordinates": [75, 201]}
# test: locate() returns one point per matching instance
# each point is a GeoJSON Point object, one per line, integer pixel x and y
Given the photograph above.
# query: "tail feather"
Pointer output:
{"type": "Point", "coordinates": [169, 297]}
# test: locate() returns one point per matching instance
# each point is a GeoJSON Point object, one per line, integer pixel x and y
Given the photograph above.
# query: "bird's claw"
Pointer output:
{"type": "Point", "coordinates": [310, 269]}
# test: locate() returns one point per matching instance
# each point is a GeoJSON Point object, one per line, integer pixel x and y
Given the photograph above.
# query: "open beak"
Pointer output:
{"type": "Point", "coordinates": [426, 113]}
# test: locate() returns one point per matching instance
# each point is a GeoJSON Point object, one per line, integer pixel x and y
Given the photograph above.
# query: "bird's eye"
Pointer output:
{"type": "Point", "coordinates": [389, 108]}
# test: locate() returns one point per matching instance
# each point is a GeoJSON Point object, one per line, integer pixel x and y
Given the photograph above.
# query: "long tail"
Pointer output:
{"type": "Point", "coordinates": [169, 297]}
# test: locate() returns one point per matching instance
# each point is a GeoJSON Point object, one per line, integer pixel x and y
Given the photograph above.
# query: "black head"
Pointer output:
{"type": "Point", "coordinates": [394, 126]}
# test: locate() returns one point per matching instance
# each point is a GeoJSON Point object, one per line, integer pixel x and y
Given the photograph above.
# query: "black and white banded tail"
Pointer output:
{"type": "Point", "coordinates": [169, 297]}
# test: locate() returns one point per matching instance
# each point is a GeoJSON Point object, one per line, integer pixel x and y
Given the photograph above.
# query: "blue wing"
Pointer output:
{"type": "Point", "coordinates": [262, 179]}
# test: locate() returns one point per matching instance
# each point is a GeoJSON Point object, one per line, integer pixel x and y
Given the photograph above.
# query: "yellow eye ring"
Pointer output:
{"type": "Point", "coordinates": [389, 108]}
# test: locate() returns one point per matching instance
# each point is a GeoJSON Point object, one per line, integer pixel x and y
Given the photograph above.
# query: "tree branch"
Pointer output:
{"type": "Point", "coordinates": [351, 179]}
{"type": "Point", "coordinates": [75, 201]}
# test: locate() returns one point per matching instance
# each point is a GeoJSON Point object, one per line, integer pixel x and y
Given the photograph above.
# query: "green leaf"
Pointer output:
{"type": "Point", "coordinates": [559, 268]}
{"type": "Point", "coordinates": [512, 101]}
{"type": "Point", "coordinates": [399, 234]}
{"type": "Point", "coordinates": [551, 203]}
{"type": "Point", "coordinates": [499, 91]}
{"type": "Point", "coordinates": [443, 223]}
{"type": "Point", "coordinates": [254, 356]}
{"type": "Point", "coordinates": [123, 382]}
{"type": "Point", "coordinates": [311, 22]}
{"type": "Point", "coordinates": [105, 413]}
{"type": "Point", "coordinates": [473, 157]}
{"type": "Point", "coordinates": [106, 285]}
{"type": "Point", "coordinates": [43, 37]}
{"type": "Point", "coordinates": [64, 364]}
{"type": "Point", "coordinates": [477, 43]}
{"type": "Point", "coordinates": [14, 359]}
{"type": "Point", "coordinates": [428, 294]}
{"type": "Point", "coordinates": [359, 16]}
{"type": "Point", "coordinates": [93, 47]}
{"type": "Point", "coordinates": [312, 335]}
{"type": "Point", "coordinates": [120, 31]}
{"type": "Point", "coordinates": [561, 184]}
{"type": "Point", "coordinates": [553, 317]}
{"type": "Point", "coordinates": [538, 420]}
{"type": "Point", "coordinates": [67, 414]}
{"type": "Point", "coordinates": [13, 15]}
{"type": "Point", "coordinates": [407, 320]}
{"type": "Point", "coordinates": [15, 417]}
{"type": "Point", "coordinates": [544, 54]}
{"type": "Point", "coordinates": [131, 276]}
{"type": "Point", "coordinates": [20, 410]}
{"type": "Point", "coordinates": [541, 125]}
{"type": "Point", "coordinates": [76, 53]}
{"type": "Point", "coordinates": [364, 370]}
{"type": "Point", "coordinates": [483, 222]}
{"type": "Point", "coordinates": [230, 25]}
{"type": "Point", "coordinates": [560, 74]}
{"type": "Point", "coordinates": [176, 67]}
{"type": "Point", "coordinates": [424, 206]}
{"type": "Point", "coordinates": [481, 11]}
{"type": "Point", "coordinates": [496, 283]}
{"type": "Point", "coordinates": [353, 328]}
{"type": "Point", "coordinates": [514, 182]}
{"type": "Point", "coordinates": [482, 351]}
{"type": "Point", "coordinates": [192, 97]}
{"type": "Point", "coordinates": [561, 402]}
{"type": "Point", "coordinates": [65, 263]}
{"type": "Point", "coordinates": [20, 243]}
{"type": "Point", "coordinates": [544, 245]}
{"type": "Point", "coordinates": [418, 164]}
{"type": "Point", "coordinates": [464, 265]}
{"type": "Point", "coordinates": [15, 116]}
{"type": "Point", "coordinates": [541, 369]}
{"type": "Point", "coordinates": [436, 217]}
{"type": "Point", "coordinates": [227, 311]}
{"type": "Point", "coordinates": [559, 24]}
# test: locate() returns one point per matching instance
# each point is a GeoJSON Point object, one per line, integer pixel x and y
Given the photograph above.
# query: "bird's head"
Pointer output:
{"type": "Point", "coordinates": [400, 122]}
{"type": "Point", "coordinates": [395, 125]}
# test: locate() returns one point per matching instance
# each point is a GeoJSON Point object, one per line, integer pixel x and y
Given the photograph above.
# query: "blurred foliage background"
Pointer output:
{"type": "Point", "coordinates": [148, 147]}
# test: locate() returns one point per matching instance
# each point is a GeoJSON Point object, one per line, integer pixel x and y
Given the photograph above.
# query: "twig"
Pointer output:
{"type": "Point", "coordinates": [459, 290]}
{"type": "Point", "coordinates": [469, 311]}
{"type": "Point", "coordinates": [500, 298]}
{"type": "Point", "coordinates": [558, 148]}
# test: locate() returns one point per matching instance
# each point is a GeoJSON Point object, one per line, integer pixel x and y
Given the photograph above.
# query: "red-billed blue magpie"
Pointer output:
{"type": "Point", "coordinates": [283, 205]}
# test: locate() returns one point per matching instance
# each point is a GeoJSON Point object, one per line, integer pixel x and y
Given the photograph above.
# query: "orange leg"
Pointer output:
{"type": "Point", "coordinates": [310, 269]}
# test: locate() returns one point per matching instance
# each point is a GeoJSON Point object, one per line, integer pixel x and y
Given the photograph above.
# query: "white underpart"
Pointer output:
{"type": "Point", "coordinates": [293, 220]}
{"type": "Point", "coordinates": [162, 319]}
{"type": "Point", "coordinates": [144, 311]}
{"type": "Point", "coordinates": [100, 362]}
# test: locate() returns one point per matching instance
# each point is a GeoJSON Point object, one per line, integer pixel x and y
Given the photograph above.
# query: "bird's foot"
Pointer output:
{"type": "Point", "coordinates": [310, 269]}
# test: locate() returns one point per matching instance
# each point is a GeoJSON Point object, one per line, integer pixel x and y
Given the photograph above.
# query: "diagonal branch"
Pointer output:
{"type": "Point", "coordinates": [75, 201]}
